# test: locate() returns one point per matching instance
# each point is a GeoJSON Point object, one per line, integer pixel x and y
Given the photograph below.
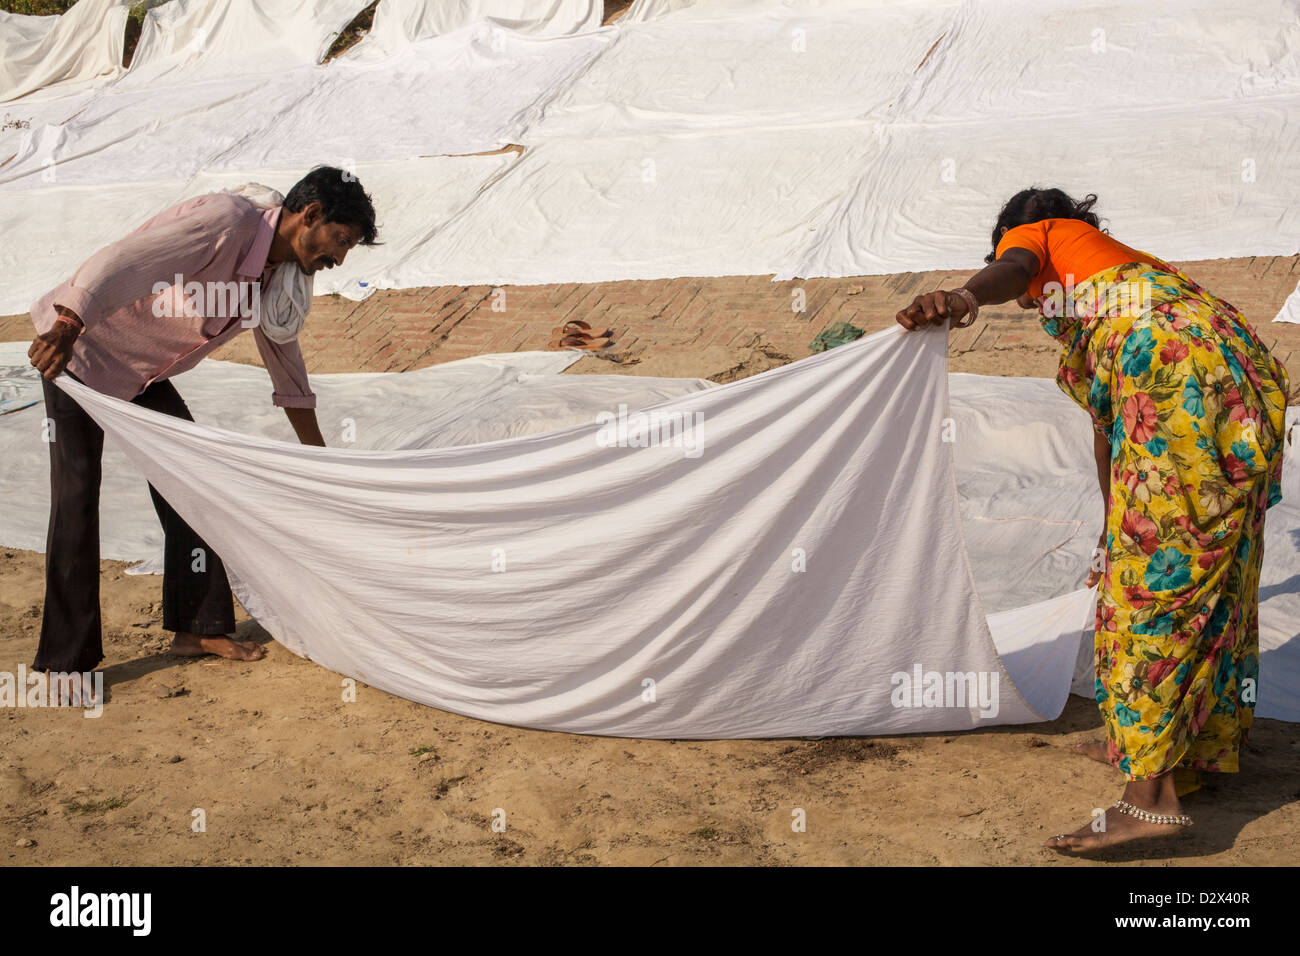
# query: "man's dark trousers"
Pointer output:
{"type": "Point", "coordinates": [197, 601]}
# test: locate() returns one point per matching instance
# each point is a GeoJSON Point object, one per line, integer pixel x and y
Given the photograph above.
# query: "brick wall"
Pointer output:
{"type": "Point", "coordinates": [695, 326]}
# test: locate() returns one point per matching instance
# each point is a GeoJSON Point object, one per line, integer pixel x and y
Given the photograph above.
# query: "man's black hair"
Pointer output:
{"type": "Point", "coordinates": [341, 198]}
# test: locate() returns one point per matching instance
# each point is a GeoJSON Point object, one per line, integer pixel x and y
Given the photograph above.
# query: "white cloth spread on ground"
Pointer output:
{"type": "Point", "coordinates": [181, 123]}
{"type": "Point", "coordinates": [851, 138]}
{"type": "Point", "coordinates": [790, 137]}
{"type": "Point", "coordinates": [398, 21]}
{"type": "Point", "coordinates": [788, 559]}
{"type": "Point", "coordinates": [207, 38]}
{"type": "Point", "coordinates": [185, 110]}
{"type": "Point", "coordinates": [1290, 311]}
{"type": "Point", "coordinates": [81, 46]}
{"type": "Point", "coordinates": [63, 226]}
{"type": "Point", "coordinates": [466, 92]}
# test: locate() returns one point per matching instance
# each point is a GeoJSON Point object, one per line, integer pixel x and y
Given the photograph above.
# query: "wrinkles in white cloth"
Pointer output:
{"type": "Point", "coordinates": [797, 138]}
{"type": "Point", "coordinates": [793, 578]}
{"type": "Point", "coordinates": [1026, 511]}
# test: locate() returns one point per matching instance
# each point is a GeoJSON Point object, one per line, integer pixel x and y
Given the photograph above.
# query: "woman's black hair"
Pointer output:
{"type": "Point", "coordinates": [1035, 205]}
{"type": "Point", "coordinates": [341, 199]}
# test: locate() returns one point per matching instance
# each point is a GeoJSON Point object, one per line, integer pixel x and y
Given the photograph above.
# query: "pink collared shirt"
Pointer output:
{"type": "Point", "coordinates": [136, 334]}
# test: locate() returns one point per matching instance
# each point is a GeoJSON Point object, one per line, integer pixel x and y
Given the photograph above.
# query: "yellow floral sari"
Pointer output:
{"type": "Point", "coordinates": [1194, 406]}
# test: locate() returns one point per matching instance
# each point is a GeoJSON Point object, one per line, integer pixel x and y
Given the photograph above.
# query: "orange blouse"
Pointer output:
{"type": "Point", "coordinates": [1069, 250]}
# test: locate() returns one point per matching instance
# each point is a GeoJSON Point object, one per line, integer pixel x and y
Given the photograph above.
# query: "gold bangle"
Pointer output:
{"type": "Point", "coordinates": [972, 306]}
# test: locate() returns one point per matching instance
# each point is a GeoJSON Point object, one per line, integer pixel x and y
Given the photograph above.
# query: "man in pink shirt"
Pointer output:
{"type": "Point", "coordinates": [131, 317]}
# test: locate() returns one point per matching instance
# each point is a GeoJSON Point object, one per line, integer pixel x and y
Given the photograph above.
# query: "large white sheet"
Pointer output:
{"type": "Point", "coordinates": [126, 135]}
{"type": "Point", "coordinates": [57, 228]}
{"type": "Point", "coordinates": [469, 91]}
{"type": "Point", "coordinates": [51, 68]}
{"type": "Point", "coordinates": [1179, 190]}
{"type": "Point", "coordinates": [763, 587]}
{"type": "Point", "coordinates": [588, 210]}
{"type": "Point", "coordinates": [809, 138]}
{"type": "Point", "coordinates": [19, 33]}
{"type": "Point", "coordinates": [1186, 127]}
{"type": "Point", "coordinates": [1028, 507]}
{"type": "Point", "coordinates": [82, 46]}
{"type": "Point", "coordinates": [407, 90]}
{"type": "Point", "coordinates": [756, 64]}
{"type": "Point", "coordinates": [216, 39]}
{"type": "Point", "coordinates": [1184, 118]}
{"type": "Point", "coordinates": [398, 22]}
{"type": "Point", "coordinates": [485, 398]}
{"type": "Point", "coordinates": [1071, 59]}
{"type": "Point", "coordinates": [202, 73]}
{"type": "Point", "coordinates": [466, 92]}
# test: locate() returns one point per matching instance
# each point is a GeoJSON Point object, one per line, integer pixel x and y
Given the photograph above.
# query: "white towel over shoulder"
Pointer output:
{"type": "Point", "coordinates": [286, 297]}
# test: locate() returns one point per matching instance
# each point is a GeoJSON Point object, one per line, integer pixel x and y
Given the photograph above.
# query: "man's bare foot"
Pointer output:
{"type": "Point", "coordinates": [1116, 827]}
{"type": "Point", "coordinates": [196, 645]}
{"type": "Point", "coordinates": [1094, 750]}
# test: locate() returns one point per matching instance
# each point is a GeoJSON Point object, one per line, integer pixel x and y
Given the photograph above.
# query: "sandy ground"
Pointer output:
{"type": "Point", "coordinates": [285, 771]}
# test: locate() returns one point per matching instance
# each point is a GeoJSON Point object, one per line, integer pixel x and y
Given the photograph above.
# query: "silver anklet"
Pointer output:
{"type": "Point", "coordinates": [1146, 816]}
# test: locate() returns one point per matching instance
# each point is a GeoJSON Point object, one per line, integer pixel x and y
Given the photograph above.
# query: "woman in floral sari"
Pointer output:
{"type": "Point", "coordinates": [1188, 408]}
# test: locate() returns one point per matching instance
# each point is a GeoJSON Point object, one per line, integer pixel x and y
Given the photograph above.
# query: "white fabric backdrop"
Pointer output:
{"type": "Point", "coordinates": [795, 138]}
{"type": "Point", "coordinates": [81, 46]}
{"type": "Point", "coordinates": [644, 207]}
{"type": "Point", "coordinates": [400, 21]}
{"type": "Point", "coordinates": [930, 197]}
{"type": "Point", "coordinates": [59, 227]}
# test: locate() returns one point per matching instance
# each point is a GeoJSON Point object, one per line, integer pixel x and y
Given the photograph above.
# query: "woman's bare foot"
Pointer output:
{"type": "Point", "coordinates": [196, 645]}
{"type": "Point", "coordinates": [1093, 750]}
{"type": "Point", "coordinates": [1115, 827]}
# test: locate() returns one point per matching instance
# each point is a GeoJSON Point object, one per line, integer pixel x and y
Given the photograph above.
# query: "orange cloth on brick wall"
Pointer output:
{"type": "Point", "coordinates": [1069, 249]}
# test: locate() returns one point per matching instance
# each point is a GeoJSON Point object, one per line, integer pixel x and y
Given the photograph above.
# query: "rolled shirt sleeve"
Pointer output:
{"type": "Point", "coordinates": [288, 372]}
